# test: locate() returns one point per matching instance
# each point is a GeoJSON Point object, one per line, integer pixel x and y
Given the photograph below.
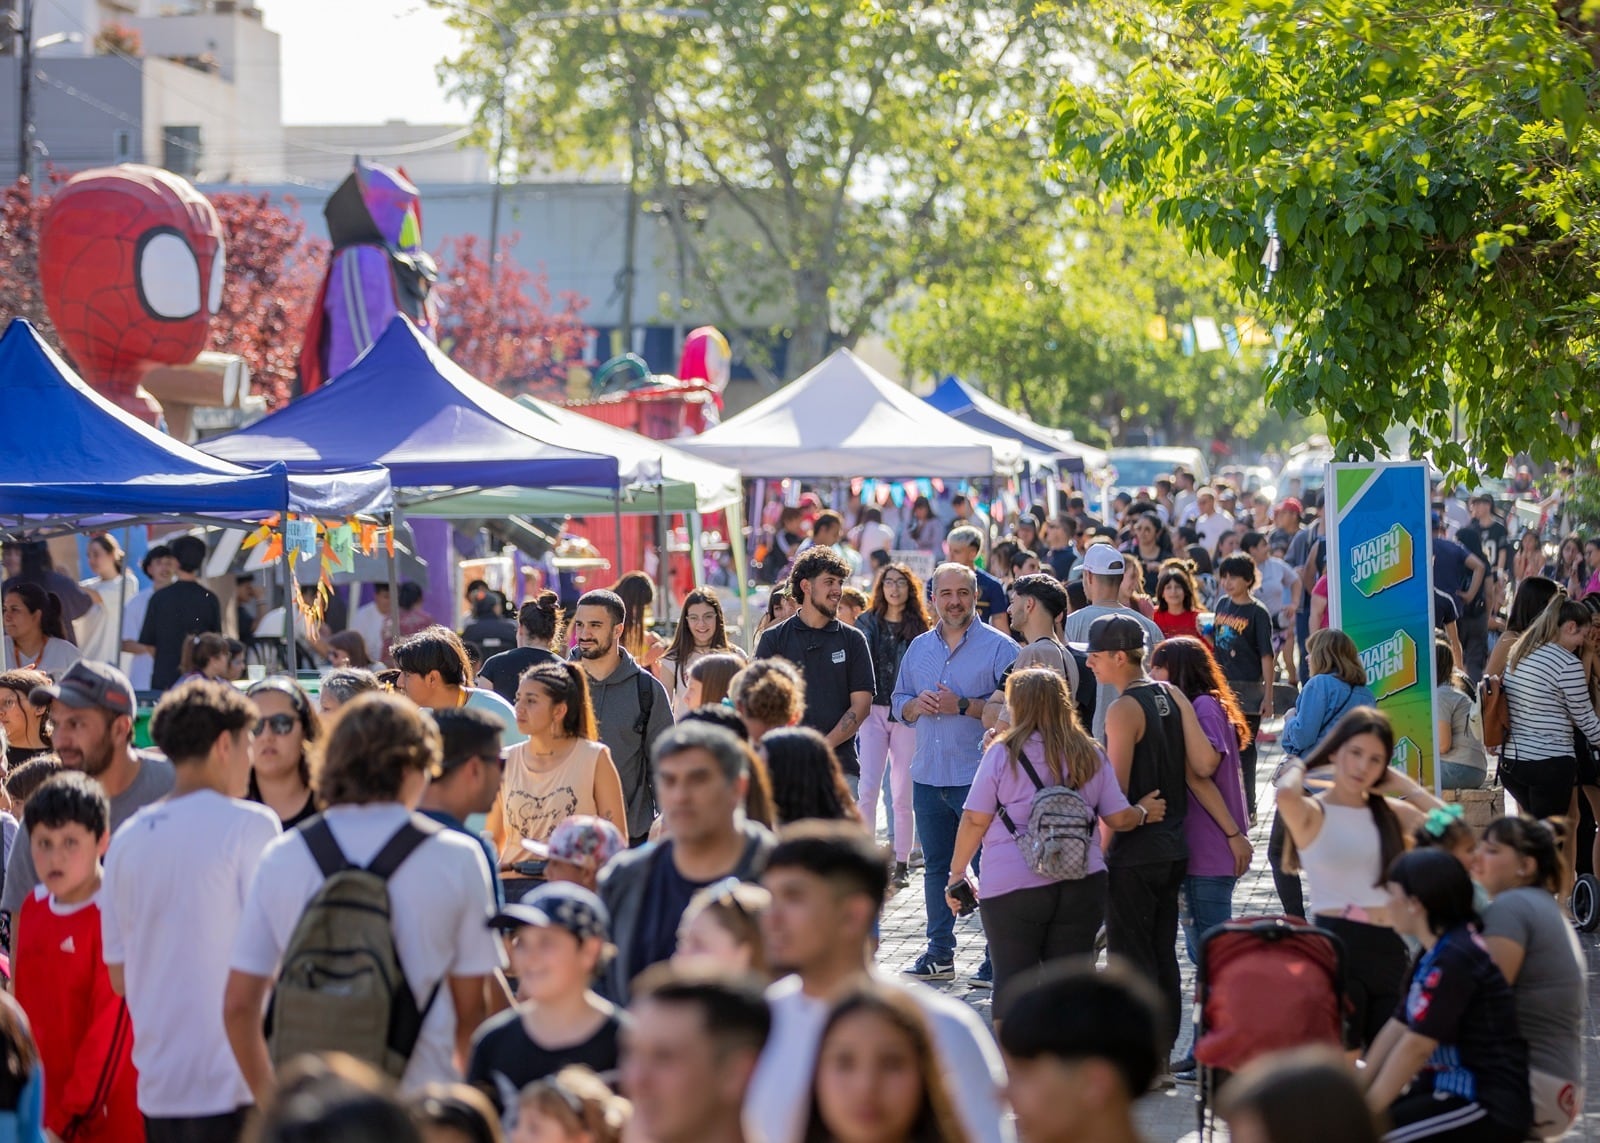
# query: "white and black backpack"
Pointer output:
{"type": "Point", "coordinates": [1060, 827]}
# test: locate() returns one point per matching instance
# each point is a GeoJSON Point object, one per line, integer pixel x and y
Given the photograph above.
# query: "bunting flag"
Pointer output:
{"type": "Point", "coordinates": [332, 544]}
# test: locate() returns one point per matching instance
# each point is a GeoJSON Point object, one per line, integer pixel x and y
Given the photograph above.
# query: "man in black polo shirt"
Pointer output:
{"type": "Point", "coordinates": [832, 656]}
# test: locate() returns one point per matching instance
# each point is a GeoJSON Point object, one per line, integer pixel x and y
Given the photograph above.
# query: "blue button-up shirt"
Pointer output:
{"type": "Point", "coordinates": [949, 746]}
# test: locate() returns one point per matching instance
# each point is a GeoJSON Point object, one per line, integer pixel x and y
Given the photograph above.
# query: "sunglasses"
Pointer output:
{"type": "Point", "coordinates": [278, 724]}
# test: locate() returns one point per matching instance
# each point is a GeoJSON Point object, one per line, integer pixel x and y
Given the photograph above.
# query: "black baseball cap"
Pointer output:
{"type": "Point", "coordinates": [1115, 633]}
{"type": "Point", "coordinates": [88, 684]}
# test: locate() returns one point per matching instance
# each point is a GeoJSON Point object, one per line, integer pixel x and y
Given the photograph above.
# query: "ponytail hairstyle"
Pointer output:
{"type": "Point", "coordinates": [541, 618]}
{"type": "Point", "coordinates": [566, 683]}
{"type": "Point", "coordinates": [1540, 840]}
{"type": "Point", "coordinates": [1560, 611]}
{"type": "Point", "coordinates": [581, 1102]}
{"type": "Point", "coordinates": [45, 604]}
{"type": "Point", "coordinates": [1391, 841]}
{"type": "Point", "coordinates": [107, 543]}
{"type": "Point", "coordinates": [198, 650]}
{"type": "Point", "coordinates": [1443, 828]}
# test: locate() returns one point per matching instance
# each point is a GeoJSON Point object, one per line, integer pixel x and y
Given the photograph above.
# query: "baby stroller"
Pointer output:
{"type": "Point", "coordinates": [1263, 984]}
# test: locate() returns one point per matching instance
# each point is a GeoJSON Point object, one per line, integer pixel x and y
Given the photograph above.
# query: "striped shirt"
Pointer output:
{"type": "Point", "coordinates": [1548, 695]}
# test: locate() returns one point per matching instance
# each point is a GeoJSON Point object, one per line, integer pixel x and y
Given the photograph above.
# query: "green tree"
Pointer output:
{"type": "Point", "coordinates": [814, 160]}
{"type": "Point", "coordinates": [1432, 171]}
{"type": "Point", "coordinates": [1079, 326]}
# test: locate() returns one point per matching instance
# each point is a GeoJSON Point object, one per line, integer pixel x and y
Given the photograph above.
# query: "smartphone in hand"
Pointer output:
{"type": "Point", "coordinates": [961, 892]}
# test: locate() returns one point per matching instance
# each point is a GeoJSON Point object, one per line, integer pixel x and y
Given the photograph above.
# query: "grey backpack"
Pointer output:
{"type": "Point", "coordinates": [1060, 827]}
{"type": "Point", "coordinates": [342, 987]}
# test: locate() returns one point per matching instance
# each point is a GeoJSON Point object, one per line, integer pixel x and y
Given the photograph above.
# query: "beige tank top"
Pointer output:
{"type": "Point", "coordinates": [536, 802]}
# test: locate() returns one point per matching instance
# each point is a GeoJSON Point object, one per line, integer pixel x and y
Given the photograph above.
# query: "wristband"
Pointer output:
{"type": "Point", "coordinates": [1144, 814]}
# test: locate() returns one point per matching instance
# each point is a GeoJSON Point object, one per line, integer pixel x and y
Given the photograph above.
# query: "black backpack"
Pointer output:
{"type": "Point", "coordinates": [342, 987]}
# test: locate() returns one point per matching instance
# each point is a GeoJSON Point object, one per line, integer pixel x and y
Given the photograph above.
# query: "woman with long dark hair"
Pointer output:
{"type": "Point", "coordinates": [1528, 602]}
{"type": "Point", "coordinates": [285, 731]}
{"type": "Point", "coordinates": [1451, 1063]}
{"type": "Point", "coordinates": [806, 779]}
{"type": "Point", "coordinates": [701, 631]}
{"type": "Point", "coordinates": [27, 726]}
{"type": "Point", "coordinates": [638, 598]}
{"type": "Point", "coordinates": [878, 1078]}
{"type": "Point", "coordinates": [1188, 664]}
{"type": "Point", "coordinates": [1568, 569]}
{"type": "Point", "coordinates": [1177, 600]}
{"type": "Point", "coordinates": [561, 769]}
{"type": "Point", "coordinates": [1530, 558]}
{"type": "Point", "coordinates": [1518, 863]}
{"type": "Point", "coordinates": [896, 616]}
{"type": "Point", "coordinates": [1344, 839]}
{"type": "Point", "coordinates": [36, 633]}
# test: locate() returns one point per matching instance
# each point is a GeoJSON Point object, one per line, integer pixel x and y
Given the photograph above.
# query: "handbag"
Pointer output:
{"type": "Point", "coordinates": [1496, 712]}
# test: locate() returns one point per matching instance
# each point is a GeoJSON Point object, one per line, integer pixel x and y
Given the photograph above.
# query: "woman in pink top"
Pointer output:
{"type": "Point", "coordinates": [1030, 919]}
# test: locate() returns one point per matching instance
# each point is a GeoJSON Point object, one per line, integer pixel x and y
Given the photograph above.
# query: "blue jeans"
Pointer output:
{"type": "Point", "coordinates": [1207, 903]}
{"type": "Point", "coordinates": [1457, 776]}
{"type": "Point", "coordinates": [938, 814]}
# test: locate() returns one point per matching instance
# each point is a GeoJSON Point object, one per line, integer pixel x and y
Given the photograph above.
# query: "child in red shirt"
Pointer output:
{"type": "Point", "coordinates": [81, 1026]}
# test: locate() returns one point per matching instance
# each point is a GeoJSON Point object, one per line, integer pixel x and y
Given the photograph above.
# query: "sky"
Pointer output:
{"type": "Point", "coordinates": [362, 61]}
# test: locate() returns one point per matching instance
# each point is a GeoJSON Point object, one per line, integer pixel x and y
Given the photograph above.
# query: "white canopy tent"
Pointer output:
{"type": "Point", "coordinates": [844, 419]}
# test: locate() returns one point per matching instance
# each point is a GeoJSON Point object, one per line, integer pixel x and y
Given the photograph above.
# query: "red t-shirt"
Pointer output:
{"type": "Point", "coordinates": [1177, 623]}
{"type": "Point", "coordinates": [82, 1028]}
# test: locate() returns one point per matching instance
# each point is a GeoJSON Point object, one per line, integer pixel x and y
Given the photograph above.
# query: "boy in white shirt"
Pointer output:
{"type": "Point", "coordinates": [175, 884]}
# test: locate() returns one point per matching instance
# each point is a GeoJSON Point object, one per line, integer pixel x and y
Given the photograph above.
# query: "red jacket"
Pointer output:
{"type": "Point", "coordinates": [82, 1027]}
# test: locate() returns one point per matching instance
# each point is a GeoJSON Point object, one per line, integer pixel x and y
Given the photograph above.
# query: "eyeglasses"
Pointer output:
{"type": "Point", "coordinates": [279, 724]}
{"type": "Point", "coordinates": [895, 581]}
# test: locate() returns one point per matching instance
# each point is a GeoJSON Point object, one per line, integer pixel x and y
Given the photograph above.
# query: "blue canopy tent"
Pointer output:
{"type": "Point", "coordinates": [957, 399]}
{"type": "Point", "coordinates": [74, 461]}
{"type": "Point", "coordinates": [437, 429]}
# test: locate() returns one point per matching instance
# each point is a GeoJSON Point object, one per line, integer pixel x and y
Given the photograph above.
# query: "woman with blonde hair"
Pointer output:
{"type": "Point", "coordinates": [767, 694]}
{"type": "Point", "coordinates": [562, 769]}
{"type": "Point", "coordinates": [1548, 696]}
{"type": "Point", "coordinates": [572, 1106]}
{"type": "Point", "coordinates": [1030, 918]}
{"type": "Point", "coordinates": [1336, 682]}
{"type": "Point", "coordinates": [721, 928]}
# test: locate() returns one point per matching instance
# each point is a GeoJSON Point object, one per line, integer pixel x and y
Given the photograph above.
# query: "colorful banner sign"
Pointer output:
{"type": "Point", "coordinates": [1380, 593]}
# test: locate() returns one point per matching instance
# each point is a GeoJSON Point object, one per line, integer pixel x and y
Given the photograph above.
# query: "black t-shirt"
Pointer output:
{"type": "Point", "coordinates": [1243, 637]}
{"type": "Point", "coordinates": [505, 1059]}
{"type": "Point", "coordinates": [491, 635]}
{"type": "Point", "coordinates": [1446, 609]}
{"type": "Point", "coordinates": [1159, 763]}
{"type": "Point", "coordinates": [304, 813]}
{"type": "Point", "coordinates": [835, 662]}
{"type": "Point", "coordinates": [180, 609]}
{"type": "Point", "coordinates": [1459, 998]}
{"type": "Point", "coordinates": [1490, 543]}
{"type": "Point", "coordinates": [503, 670]}
{"type": "Point", "coordinates": [665, 899]}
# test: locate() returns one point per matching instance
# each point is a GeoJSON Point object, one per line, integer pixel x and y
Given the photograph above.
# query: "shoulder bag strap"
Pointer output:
{"type": "Point", "coordinates": [324, 848]}
{"type": "Point", "coordinates": [1033, 775]}
{"type": "Point", "coordinates": [401, 846]}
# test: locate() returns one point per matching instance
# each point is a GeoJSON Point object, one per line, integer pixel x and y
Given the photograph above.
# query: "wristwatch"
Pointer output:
{"type": "Point", "coordinates": [962, 704]}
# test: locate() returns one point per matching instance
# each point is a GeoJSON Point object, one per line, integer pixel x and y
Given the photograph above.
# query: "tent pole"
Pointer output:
{"type": "Point", "coordinates": [697, 575]}
{"type": "Point", "coordinates": [289, 656]}
{"type": "Point", "coordinates": [394, 578]}
{"type": "Point", "coordinates": [616, 512]}
{"type": "Point", "coordinates": [664, 556]}
{"type": "Point", "coordinates": [122, 598]}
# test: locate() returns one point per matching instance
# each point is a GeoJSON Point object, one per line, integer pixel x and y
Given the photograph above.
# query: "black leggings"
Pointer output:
{"type": "Point", "coordinates": [1375, 965]}
{"type": "Point", "coordinates": [1030, 927]}
{"type": "Point", "coordinates": [1290, 891]}
{"type": "Point", "coordinates": [1247, 762]}
{"type": "Point", "coordinates": [1542, 786]}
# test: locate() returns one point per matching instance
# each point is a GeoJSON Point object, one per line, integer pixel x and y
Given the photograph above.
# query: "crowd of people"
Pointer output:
{"type": "Point", "coordinates": [563, 877]}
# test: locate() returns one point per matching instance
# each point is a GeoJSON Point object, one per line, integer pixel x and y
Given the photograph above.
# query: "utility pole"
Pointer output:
{"type": "Point", "coordinates": [25, 92]}
{"type": "Point", "coordinates": [508, 47]}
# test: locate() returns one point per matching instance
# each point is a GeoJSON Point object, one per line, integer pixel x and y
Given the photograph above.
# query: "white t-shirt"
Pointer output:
{"type": "Point", "coordinates": [373, 627]}
{"type": "Point", "coordinates": [779, 1097]}
{"type": "Point", "coordinates": [1277, 585]}
{"type": "Point", "coordinates": [53, 660]}
{"type": "Point", "coordinates": [1212, 527]}
{"type": "Point", "coordinates": [139, 666]}
{"type": "Point", "coordinates": [99, 630]}
{"type": "Point", "coordinates": [175, 883]}
{"type": "Point", "coordinates": [441, 908]}
{"type": "Point", "coordinates": [869, 537]}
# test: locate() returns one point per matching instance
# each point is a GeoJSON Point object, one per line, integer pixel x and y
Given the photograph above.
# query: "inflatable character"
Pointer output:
{"type": "Point", "coordinates": [378, 269]}
{"type": "Point", "coordinates": [130, 262]}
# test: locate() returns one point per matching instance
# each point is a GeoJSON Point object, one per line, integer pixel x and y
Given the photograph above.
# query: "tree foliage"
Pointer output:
{"type": "Point", "coordinates": [511, 333]}
{"type": "Point", "coordinates": [1433, 171]}
{"type": "Point", "coordinates": [1080, 328]}
{"type": "Point", "coordinates": [814, 159]}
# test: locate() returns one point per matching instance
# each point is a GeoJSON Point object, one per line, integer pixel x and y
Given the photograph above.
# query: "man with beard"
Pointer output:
{"type": "Point", "coordinates": [946, 679]}
{"type": "Point", "coordinates": [631, 707]}
{"type": "Point", "coordinates": [91, 710]}
{"type": "Point", "coordinates": [832, 656]}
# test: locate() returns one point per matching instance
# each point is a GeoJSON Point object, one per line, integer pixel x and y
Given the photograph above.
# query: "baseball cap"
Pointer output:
{"type": "Point", "coordinates": [1115, 633]}
{"type": "Point", "coordinates": [581, 839]}
{"type": "Point", "coordinates": [87, 684]}
{"type": "Point", "coordinates": [560, 905]}
{"type": "Point", "coordinates": [1290, 504]}
{"type": "Point", "coordinates": [1103, 559]}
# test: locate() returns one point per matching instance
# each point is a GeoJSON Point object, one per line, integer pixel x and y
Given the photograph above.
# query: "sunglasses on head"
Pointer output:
{"type": "Point", "coordinates": [279, 724]}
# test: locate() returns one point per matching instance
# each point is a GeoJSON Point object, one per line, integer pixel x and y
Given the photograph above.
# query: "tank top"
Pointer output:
{"type": "Point", "coordinates": [535, 803]}
{"type": "Point", "coordinates": [1159, 763]}
{"type": "Point", "coordinates": [1342, 862]}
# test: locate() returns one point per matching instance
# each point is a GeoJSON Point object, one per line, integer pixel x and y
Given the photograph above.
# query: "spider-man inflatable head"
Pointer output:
{"type": "Point", "coordinates": [130, 259]}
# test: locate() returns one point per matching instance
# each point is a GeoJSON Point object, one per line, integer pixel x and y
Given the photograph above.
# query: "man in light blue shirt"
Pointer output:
{"type": "Point", "coordinates": [945, 680]}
